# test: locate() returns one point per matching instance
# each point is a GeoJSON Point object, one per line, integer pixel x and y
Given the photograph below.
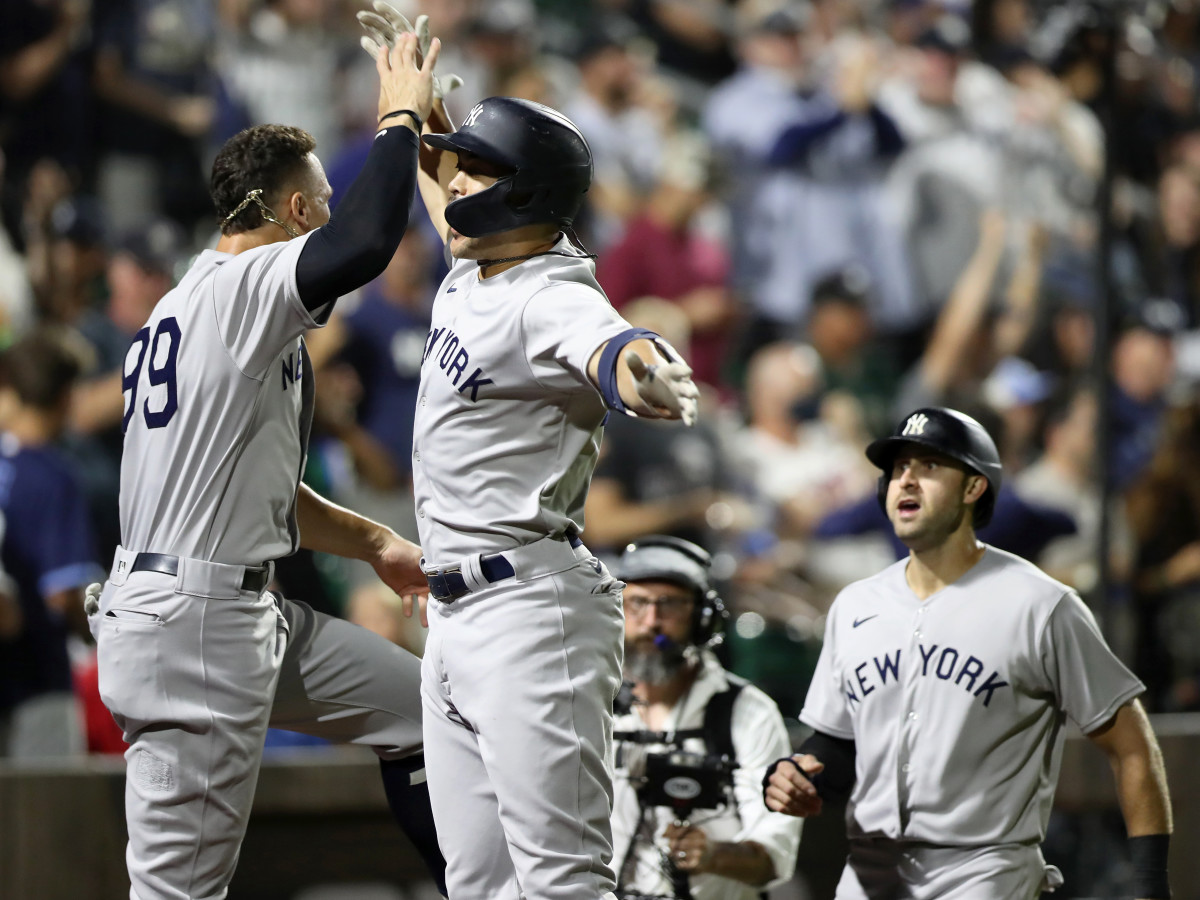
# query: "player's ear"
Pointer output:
{"type": "Point", "coordinates": [974, 488]}
{"type": "Point", "coordinates": [300, 208]}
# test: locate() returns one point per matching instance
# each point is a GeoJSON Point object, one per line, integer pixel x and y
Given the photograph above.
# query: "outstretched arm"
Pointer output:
{"type": "Point", "coordinates": [649, 377]}
{"type": "Point", "coordinates": [1129, 743]}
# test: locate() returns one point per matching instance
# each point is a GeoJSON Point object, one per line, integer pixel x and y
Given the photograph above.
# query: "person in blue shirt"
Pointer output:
{"type": "Point", "coordinates": [47, 550]}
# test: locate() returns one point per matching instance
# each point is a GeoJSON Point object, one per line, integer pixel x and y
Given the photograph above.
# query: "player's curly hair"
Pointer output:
{"type": "Point", "coordinates": [264, 157]}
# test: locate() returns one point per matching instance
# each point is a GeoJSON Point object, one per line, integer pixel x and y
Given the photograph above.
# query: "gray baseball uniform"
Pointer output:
{"type": "Point", "coordinates": [519, 675]}
{"type": "Point", "coordinates": [193, 666]}
{"type": "Point", "coordinates": [956, 705]}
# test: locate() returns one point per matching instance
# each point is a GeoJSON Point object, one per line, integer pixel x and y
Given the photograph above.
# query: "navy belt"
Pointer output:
{"type": "Point", "coordinates": [449, 584]}
{"type": "Point", "coordinates": [255, 579]}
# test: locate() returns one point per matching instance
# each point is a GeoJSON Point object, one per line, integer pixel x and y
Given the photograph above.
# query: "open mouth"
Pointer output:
{"type": "Point", "coordinates": [907, 506]}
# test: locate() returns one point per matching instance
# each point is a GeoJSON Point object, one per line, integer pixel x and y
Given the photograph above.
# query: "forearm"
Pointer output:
{"type": "Point", "coordinates": [436, 169]}
{"type": "Point", "coordinates": [1142, 791]}
{"type": "Point", "coordinates": [626, 386]}
{"type": "Point", "coordinates": [328, 528]}
{"type": "Point", "coordinates": [364, 231]}
{"type": "Point", "coordinates": [1141, 780]}
{"type": "Point", "coordinates": [747, 862]}
{"type": "Point", "coordinates": [26, 73]}
{"type": "Point", "coordinates": [962, 315]}
{"type": "Point", "coordinates": [612, 520]}
{"type": "Point", "coordinates": [116, 87]}
{"type": "Point", "coordinates": [371, 460]}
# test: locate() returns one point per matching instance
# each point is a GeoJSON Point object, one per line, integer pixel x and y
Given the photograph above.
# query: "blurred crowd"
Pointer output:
{"type": "Point", "coordinates": [842, 209]}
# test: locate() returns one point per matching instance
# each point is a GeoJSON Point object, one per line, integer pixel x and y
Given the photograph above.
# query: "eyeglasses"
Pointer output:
{"type": "Point", "coordinates": [666, 607]}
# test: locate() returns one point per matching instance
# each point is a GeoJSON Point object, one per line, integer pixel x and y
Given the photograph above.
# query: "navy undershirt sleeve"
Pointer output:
{"type": "Point", "coordinates": [362, 234]}
{"type": "Point", "coordinates": [836, 780]}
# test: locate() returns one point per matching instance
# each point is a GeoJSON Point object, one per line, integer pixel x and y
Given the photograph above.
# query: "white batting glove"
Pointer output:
{"type": "Point", "coordinates": [91, 598]}
{"type": "Point", "coordinates": [666, 386]}
{"type": "Point", "coordinates": [382, 28]}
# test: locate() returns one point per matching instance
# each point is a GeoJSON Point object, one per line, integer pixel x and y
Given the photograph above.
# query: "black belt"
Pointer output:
{"type": "Point", "coordinates": [255, 579]}
{"type": "Point", "coordinates": [449, 584]}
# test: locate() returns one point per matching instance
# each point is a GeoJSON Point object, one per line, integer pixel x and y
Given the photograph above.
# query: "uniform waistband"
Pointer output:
{"type": "Point", "coordinates": [545, 557]}
{"type": "Point", "coordinates": [199, 577]}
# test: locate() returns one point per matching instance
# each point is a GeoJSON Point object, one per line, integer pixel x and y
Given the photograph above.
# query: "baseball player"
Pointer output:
{"type": "Point", "coordinates": [196, 657]}
{"type": "Point", "coordinates": [683, 698]}
{"type": "Point", "coordinates": [941, 692]}
{"type": "Point", "coordinates": [525, 358]}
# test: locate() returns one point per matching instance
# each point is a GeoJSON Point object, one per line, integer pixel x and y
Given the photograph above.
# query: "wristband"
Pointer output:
{"type": "Point", "coordinates": [402, 112]}
{"type": "Point", "coordinates": [607, 369]}
{"type": "Point", "coordinates": [1148, 853]}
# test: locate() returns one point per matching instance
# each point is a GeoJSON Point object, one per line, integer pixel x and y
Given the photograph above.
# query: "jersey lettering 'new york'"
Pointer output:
{"type": "Point", "coordinates": [957, 704]}
{"type": "Point", "coordinates": [218, 403]}
{"type": "Point", "coordinates": [945, 663]}
{"type": "Point", "coordinates": [508, 424]}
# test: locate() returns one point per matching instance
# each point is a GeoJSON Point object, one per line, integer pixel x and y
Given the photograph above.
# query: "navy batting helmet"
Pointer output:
{"type": "Point", "coordinates": [952, 433]}
{"type": "Point", "coordinates": [550, 160]}
{"type": "Point", "coordinates": [660, 557]}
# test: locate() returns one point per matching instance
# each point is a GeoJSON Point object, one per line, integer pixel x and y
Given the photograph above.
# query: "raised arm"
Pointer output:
{"type": "Point", "coordinates": [364, 231]}
{"type": "Point", "coordinates": [383, 28]}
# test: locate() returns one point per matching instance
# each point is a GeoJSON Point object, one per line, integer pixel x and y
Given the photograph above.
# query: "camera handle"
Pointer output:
{"type": "Point", "coordinates": [681, 884]}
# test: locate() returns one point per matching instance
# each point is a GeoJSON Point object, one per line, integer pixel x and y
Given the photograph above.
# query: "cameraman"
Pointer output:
{"type": "Point", "coordinates": [682, 699]}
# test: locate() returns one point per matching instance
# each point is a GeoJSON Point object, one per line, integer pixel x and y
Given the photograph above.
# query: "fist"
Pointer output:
{"type": "Point", "coordinates": [789, 790]}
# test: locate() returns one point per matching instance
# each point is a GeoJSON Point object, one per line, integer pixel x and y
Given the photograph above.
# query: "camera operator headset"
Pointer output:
{"type": "Point", "coordinates": [692, 743]}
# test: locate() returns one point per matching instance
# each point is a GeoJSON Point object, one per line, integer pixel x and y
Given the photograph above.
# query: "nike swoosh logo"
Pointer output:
{"type": "Point", "coordinates": [858, 622]}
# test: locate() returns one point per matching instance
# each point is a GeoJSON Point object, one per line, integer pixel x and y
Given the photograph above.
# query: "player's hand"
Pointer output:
{"type": "Point", "coordinates": [667, 388]}
{"type": "Point", "coordinates": [91, 598]}
{"type": "Point", "coordinates": [398, 565]}
{"type": "Point", "coordinates": [788, 789]}
{"type": "Point", "coordinates": [402, 83]}
{"type": "Point", "coordinates": [386, 24]}
{"type": "Point", "coordinates": [691, 850]}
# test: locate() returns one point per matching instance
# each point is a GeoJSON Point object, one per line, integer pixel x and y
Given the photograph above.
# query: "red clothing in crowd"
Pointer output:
{"type": "Point", "coordinates": [652, 261]}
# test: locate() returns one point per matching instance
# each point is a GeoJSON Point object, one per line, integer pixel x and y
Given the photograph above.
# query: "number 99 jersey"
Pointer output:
{"type": "Point", "coordinates": [218, 406]}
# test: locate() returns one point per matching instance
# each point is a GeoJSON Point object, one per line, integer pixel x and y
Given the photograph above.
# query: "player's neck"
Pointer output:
{"type": "Point", "coordinates": [248, 240]}
{"type": "Point", "coordinates": [932, 569]}
{"type": "Point", "coordinates": [522, 246]}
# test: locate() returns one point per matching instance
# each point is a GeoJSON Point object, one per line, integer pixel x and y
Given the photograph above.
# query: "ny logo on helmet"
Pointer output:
{"type": "Point", "coordinates": [915, 425]}
{"type": "Point", "coordinates": [472, 115]}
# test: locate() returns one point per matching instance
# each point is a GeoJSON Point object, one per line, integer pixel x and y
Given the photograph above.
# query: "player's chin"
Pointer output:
{"type": "Point", "coordinates": [462, 247]}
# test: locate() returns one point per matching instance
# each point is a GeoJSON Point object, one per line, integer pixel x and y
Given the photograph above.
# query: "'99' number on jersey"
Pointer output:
{"type": "Point", "coordinates": [160, 371]}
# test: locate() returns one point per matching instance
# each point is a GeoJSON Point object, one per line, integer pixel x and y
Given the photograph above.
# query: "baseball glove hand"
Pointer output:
{"type": "Point", "coordinates": [382, 27]}
{"type": "Point", "coordinates": [666, 387]}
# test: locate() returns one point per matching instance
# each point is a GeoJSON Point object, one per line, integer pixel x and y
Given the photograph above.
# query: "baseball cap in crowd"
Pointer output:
{"type": "Point", "coordinates": [1158, 315]}
{"type": "Point", "coordinates": [156, 247]}
{"type": "Point", "coordinates": [949, 35]}
{"type": "Point", "coordinates": [80, 220]}
{"type": "Point", "coordinates": [612, 34]}
{"type": "Point", "coordinates": [850, 285]}
{"type": "Point", "coordinates": [1069, 282]}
